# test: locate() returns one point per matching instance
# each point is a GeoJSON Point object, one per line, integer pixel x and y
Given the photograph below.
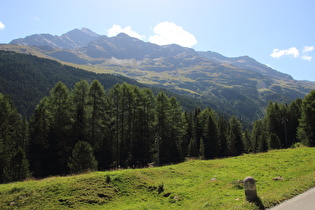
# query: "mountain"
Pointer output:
{"type": "Point", "coordinates": [246, 62]}
{"type": "Point", "coordinates": [26, 79]}
{"type": "Point", "coordinates": [72, 39]}
{"type": "Point", "coordinates": [237, 86]}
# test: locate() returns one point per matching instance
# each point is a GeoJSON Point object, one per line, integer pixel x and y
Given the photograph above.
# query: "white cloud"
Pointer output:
{"type": "Point", "coordinates": [276, 53]}
{"type": "Point", "coordinates": [116, 29]}
{"type": "Point", "coordinates": [2, 26]}
{"type": "Point", "coordinates": [169, 33]}
{"type": "Point", "coordinates": [307, 58]}
{"type": "Point", "coordinates": [308, 49]}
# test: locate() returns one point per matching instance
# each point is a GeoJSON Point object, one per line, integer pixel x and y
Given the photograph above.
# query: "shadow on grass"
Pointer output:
{"type": "Point", "coordinates": [258, 203]}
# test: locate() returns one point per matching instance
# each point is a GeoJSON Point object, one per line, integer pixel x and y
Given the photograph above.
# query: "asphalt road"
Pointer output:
{"type": "Point", "coordinates": [304, 201]}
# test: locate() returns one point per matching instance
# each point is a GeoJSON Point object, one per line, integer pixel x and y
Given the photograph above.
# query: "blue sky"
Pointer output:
{"type": "Point", "coordinates": [279, 33]}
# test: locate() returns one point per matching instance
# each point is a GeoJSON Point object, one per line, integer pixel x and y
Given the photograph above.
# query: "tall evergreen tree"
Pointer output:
{"type": "Point", "coordinates": [259, 137]}
{"type": "Point", "coordinates": [143, 126]}
{"type": "Point", "coordinates": [274, 142]}
{"type": "Point", "coordinates": [17, 168]}
{"type": "Point", "coordinates": [307, 122]}
{"type": "Point", "coordinates": [211, 139]}
{"type": "Point", "coordinates": [192, 148]}
{"type": "Point", "coordinates": [276, 121]}
{"type": "Point", "coordinates": [235, 141]}
{"type": "Point", "coordinates": [247, 142]}
{"type": "Point", "coordinates": [188, 134]}
{"type": "Point", "coordinates": [79, 111]}
{"type": "Point", "coordinates": [202, 149]}
{"type": "Point", "coordinates": [98, 122]}
{"type": "Point", "coordinates": [222, 136]}
{"type": "Point", "coordinates": [284, 117]}
{"type": "Point", "coordinates": [177, 129]}
{"type": "Point", "coordinates": [13, 142]}
{"type": "Point", "coordinates": [115, 95]}
{"type": "Point", "coordinates": [60, 128]}
{"type": "Point", "coordinates": [40, 154]}
{"type": "Point", "coordinates": [168, 130]}
{"type": "Point", "coordinates": [96, 103]}
{"type": "Point", "coordinates": [293, 121]}
{"type": "Point", "coordinates": [197, 126]}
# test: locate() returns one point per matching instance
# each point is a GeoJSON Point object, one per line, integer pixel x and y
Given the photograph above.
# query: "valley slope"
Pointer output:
{"type": "Point", "coordinates": [26, 79]}
{"type": "Point", "coordinates": [240, 86]}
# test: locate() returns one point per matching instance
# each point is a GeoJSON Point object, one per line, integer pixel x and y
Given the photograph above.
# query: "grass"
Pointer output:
{"type": "Point", "coordinates": [195, 184]}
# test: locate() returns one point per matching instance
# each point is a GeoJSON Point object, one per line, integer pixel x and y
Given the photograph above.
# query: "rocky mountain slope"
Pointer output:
{"type": "Point", "coordinates": [72, 39]}
{"type": "Point", "coordinates": [241, 86]}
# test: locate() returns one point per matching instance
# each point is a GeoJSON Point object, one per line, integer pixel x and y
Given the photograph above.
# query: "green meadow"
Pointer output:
{"type": "Point", "coordinates": [194, 184]}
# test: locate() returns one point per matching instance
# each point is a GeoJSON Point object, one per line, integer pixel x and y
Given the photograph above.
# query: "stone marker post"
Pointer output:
{"type": "Point", "coordinates": [250, 189]}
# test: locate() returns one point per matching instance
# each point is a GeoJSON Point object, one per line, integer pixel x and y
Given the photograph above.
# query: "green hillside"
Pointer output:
{"type": "Point", "coordinates": [194, 184]}
{"type": "Point", "coordinates": [26, 79]}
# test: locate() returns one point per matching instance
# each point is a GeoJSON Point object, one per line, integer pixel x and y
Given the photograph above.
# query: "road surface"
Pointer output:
{"type": "Point", "coordinates": [304, 201]}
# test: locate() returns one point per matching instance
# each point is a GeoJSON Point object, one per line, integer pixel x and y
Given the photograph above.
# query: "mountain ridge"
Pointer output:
{"type": "Point", "coordinates": [70, 40]}
{"type": "Point", "coordinates": [241, 85]}
{"type": "Point", "coordinates": [100, 46]}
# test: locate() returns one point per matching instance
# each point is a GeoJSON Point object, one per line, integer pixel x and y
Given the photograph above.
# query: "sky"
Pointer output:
{"type": "Point", "coordinates": [278, 33]}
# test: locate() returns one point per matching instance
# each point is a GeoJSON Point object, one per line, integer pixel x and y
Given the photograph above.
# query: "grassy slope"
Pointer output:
{"type": "Point", "coordinates": [186, 186]}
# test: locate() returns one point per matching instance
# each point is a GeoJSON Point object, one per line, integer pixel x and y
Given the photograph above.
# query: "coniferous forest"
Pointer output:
{"type": "Point", "coordinates": [87, 128]}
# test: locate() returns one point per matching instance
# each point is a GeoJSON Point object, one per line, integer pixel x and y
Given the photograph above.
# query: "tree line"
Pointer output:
{"type": "Point", "coordinates": [88, 128]}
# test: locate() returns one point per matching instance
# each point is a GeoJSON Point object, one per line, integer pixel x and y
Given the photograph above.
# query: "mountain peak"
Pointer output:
{"type": "Point", "coordinates": [89, 32]}
{"type": "Point", "coordinates": [70, 40]}
{"type": "Point", "coordinates": [123, 35]}
{"type": "Point", "coordinates": [126, 37]}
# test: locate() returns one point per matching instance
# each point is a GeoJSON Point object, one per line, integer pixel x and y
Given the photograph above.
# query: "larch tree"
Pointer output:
{"type": "Point", "coordinates": [79, 111]}
{"type": "Point", "coordinates": [60, 128]}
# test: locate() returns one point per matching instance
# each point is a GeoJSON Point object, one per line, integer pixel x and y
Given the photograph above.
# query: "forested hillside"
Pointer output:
{"type": "Point", "coordinates": [26, 79]}
{"type": "Point", "coordinates": [86, 128]}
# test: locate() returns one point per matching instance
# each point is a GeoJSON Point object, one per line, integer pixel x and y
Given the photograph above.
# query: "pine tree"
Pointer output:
{"type": "Point", "coordinates": [247, 142]}
{"type": "Point", "coordinates": [307, 122]}
{"type": "Point", "coordinates": [235, 141]}
{"type": "Point", "coordinates": [114, 100]}
{"type": "Point", "coordinates": [17, 168]}
{"type": "Point", "coordinates": [202, 149]}
{"type": "Point", "coordinates": [14, 141]}
{"type": "Point", "coordinates": [169, 131]}
{"type": "Point", "coordinates": [259, 137]}
{"type": "Point", "coordinates": [192, 148]}
{"type": "Point", "coordinates": [188, 133]}
{"type": "Point", "coordinates": [276, 121]}
{"type": "Point", "coordinates": [96, 103]}
{"type": "Point", "coordinates": [274, 142]}
{"type": "Point", "coordinates": [82, 158]}
{"type": "Point", "coordinates": [293, 122]}
{"type": "Point", "coordinates": [40, 124]}
{"type": "Point", "coordinates": [211, 139]}
{"type": "Point", "coordinates": [143, 126]}
{"type": "Point", "coordinates": [197, 126]}
{"type": "Point", "coordinates": [60, 128]}
{"type": "Point", "coordinates": [222, 137]}
{"type": "Point", "coordinates": [79, 111]}
{"type": "Point", "coordinates": [177, 130]}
